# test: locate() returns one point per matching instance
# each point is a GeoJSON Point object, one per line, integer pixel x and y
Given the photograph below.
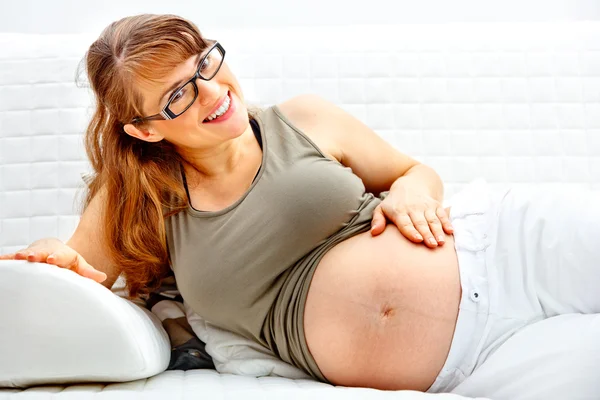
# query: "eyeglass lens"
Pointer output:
{"type": "Point", "coordinates": [186, 96]}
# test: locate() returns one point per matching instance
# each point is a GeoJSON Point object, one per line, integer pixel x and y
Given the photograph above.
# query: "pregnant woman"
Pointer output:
{"type": "Point", "coordinates": [298, 227]}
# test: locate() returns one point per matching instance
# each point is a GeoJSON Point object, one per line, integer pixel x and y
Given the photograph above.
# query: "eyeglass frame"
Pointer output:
{"type": "Point", "coordinates": [166, 113]}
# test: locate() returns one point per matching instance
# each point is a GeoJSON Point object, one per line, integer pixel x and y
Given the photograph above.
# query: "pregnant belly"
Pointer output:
{"type": "Point", "coordinates": [381, 311]}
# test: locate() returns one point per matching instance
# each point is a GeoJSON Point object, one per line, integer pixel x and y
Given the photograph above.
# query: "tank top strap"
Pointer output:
{"type": "Point", "coordinates": [285, 138]}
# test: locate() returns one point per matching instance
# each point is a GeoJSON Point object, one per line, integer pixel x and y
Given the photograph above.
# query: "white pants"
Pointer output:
{"type": "Point", "coordinates": [528, 327]}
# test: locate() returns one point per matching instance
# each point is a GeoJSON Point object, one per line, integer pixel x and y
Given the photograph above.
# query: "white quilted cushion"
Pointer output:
{"type": "Point", "coordinates": [209, 384]}
{"type": "Point", "coordinates": [56, 327]}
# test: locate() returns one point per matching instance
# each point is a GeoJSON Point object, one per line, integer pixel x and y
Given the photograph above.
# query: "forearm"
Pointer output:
{"type": "Point", "coordinates": [422, 177]}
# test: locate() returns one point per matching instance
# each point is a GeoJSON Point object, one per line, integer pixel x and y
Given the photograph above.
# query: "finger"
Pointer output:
{"type": "Point", "coordinates": [58, 258]}
{"type": "Point", "coordinates": [378, 222]}
{"type": "Point", "coordinates": [445, 220]}
{"type": "Point", "coordinates": [86, 270]}
{"type": "Point", "coordinates": [21, 254]}
{"type": "Point", "coordinates": [435, 226]}
{"type": "Point", "coordinates": [10, 256]}
{"type": "Point", "coordinates": [77, 264]}
{"type": "Point", "coordinates": [37, 256]}
{"type": "Point", "coordinates": [64, 260]}
{"type": "Point", "coordinates": [406, 227]}
{"type": "Point", "coordinates": [422, 225]}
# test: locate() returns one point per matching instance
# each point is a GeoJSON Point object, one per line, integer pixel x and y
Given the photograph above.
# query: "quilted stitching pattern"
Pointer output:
{"type": "Point", "coordinates": [209, 384]}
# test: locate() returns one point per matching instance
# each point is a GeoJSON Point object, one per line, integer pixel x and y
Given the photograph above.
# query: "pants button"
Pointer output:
{"type": "Point", "coordinates": [474, 295]}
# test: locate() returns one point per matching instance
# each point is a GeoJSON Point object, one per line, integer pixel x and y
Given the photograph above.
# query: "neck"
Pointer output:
{"type": "Point", "coordinates": [219, 161]}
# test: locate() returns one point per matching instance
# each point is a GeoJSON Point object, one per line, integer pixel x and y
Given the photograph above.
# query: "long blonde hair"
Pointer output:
{"type": "Point", "coordinates": [142, 180]}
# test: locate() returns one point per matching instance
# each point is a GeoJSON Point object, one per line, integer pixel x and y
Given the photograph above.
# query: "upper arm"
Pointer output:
{"type": "Point", "coordinates": [88, 240]}
{"type": "Point", "coordinates": [350, 141]}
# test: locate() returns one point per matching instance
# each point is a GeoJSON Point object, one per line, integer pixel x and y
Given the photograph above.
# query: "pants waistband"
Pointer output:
{"type": "Point", "coordinates": [472, 217]}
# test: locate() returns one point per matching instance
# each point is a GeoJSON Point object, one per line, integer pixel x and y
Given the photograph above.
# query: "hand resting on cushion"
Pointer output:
{"type": "Point", "coordinates": [53, 251]}
{"type": "Point", "coordinates": [84, 253]}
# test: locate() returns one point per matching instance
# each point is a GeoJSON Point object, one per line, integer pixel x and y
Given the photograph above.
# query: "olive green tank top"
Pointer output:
{"type": "Point", "coordinates": [247, 268]}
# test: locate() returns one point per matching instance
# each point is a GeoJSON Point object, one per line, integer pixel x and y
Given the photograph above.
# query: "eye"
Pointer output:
{"type": "Point", "coordinates": [179, 95]}
{"type": "Point", "coordinates": [205, 64]}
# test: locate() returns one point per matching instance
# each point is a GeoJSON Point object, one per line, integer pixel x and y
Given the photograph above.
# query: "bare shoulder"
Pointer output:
{"type": "Point", "coordinates": [313, 115]}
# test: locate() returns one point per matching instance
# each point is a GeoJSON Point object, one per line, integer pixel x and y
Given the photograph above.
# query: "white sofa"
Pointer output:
{"type": "Point", "coordinates": [509, 102]}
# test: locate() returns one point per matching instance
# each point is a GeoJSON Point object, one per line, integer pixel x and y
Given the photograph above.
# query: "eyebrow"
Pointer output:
{"type": "Point", "coordinates": [178, 83]}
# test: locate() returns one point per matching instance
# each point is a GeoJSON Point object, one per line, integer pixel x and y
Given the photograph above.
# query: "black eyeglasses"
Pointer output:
{"type": "Point", "coordinates": [184, 97]}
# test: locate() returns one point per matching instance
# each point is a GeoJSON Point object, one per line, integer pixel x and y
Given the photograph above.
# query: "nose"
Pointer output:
{"type": "Point", "coordinates": [208, 92]}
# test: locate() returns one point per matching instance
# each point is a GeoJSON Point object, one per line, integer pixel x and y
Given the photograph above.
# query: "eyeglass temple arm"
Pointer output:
{"type": "Point", "coordinates": [150, 118]}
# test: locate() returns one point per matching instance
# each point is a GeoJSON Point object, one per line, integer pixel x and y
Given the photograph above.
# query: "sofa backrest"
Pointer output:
{"type": "Point", "coordinates": [510, 102]}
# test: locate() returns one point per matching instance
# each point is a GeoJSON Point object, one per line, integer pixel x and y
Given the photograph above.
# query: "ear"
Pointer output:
{"type": "Point", "coordinates": [142, 133]}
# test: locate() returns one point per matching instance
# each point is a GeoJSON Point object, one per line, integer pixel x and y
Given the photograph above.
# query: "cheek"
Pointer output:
{"type": "Point", "coordinates": [180, 130]}
{"type": "Point", "coordinates": [188, 120]}
{"type": "Point", "coordinates": [229, 78]}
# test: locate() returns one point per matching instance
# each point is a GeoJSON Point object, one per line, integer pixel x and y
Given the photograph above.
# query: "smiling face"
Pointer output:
{"type": "Point", "coordinates": [195, 128]}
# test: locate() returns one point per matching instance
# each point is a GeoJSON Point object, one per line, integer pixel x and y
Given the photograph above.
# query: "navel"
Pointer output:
{"type": "Point", "coordinates": [387, 312]}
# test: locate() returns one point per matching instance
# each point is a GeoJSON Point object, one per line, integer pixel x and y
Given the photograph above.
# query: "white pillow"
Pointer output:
{"type": "Point", "coordinates": [59, 327]}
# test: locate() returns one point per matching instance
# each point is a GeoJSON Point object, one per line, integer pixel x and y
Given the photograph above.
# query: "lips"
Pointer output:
{"type": "Point", "coordinates": [219, 104]}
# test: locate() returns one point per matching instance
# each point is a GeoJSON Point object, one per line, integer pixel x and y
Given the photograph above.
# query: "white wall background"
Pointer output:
{"type": "Point", "coordinates": [71, 16]}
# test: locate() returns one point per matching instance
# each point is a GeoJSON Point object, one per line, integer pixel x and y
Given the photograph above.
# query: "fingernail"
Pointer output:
{"type": "Point", "coordinates": [418, 237]}
{"type": "Point", "coordinates": [432, 241]}
{"type": "Point", "coordinates": [441, 238]}
{"type": "Point", "coordinates": [51, 257]}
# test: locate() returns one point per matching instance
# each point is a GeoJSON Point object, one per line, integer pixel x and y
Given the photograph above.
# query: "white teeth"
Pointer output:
{"type": "Point", "coordinates": [222, 110]}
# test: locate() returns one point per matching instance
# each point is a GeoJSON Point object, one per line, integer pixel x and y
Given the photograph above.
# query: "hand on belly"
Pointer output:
{"type": "Point", "coordinates": [381, 311]}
